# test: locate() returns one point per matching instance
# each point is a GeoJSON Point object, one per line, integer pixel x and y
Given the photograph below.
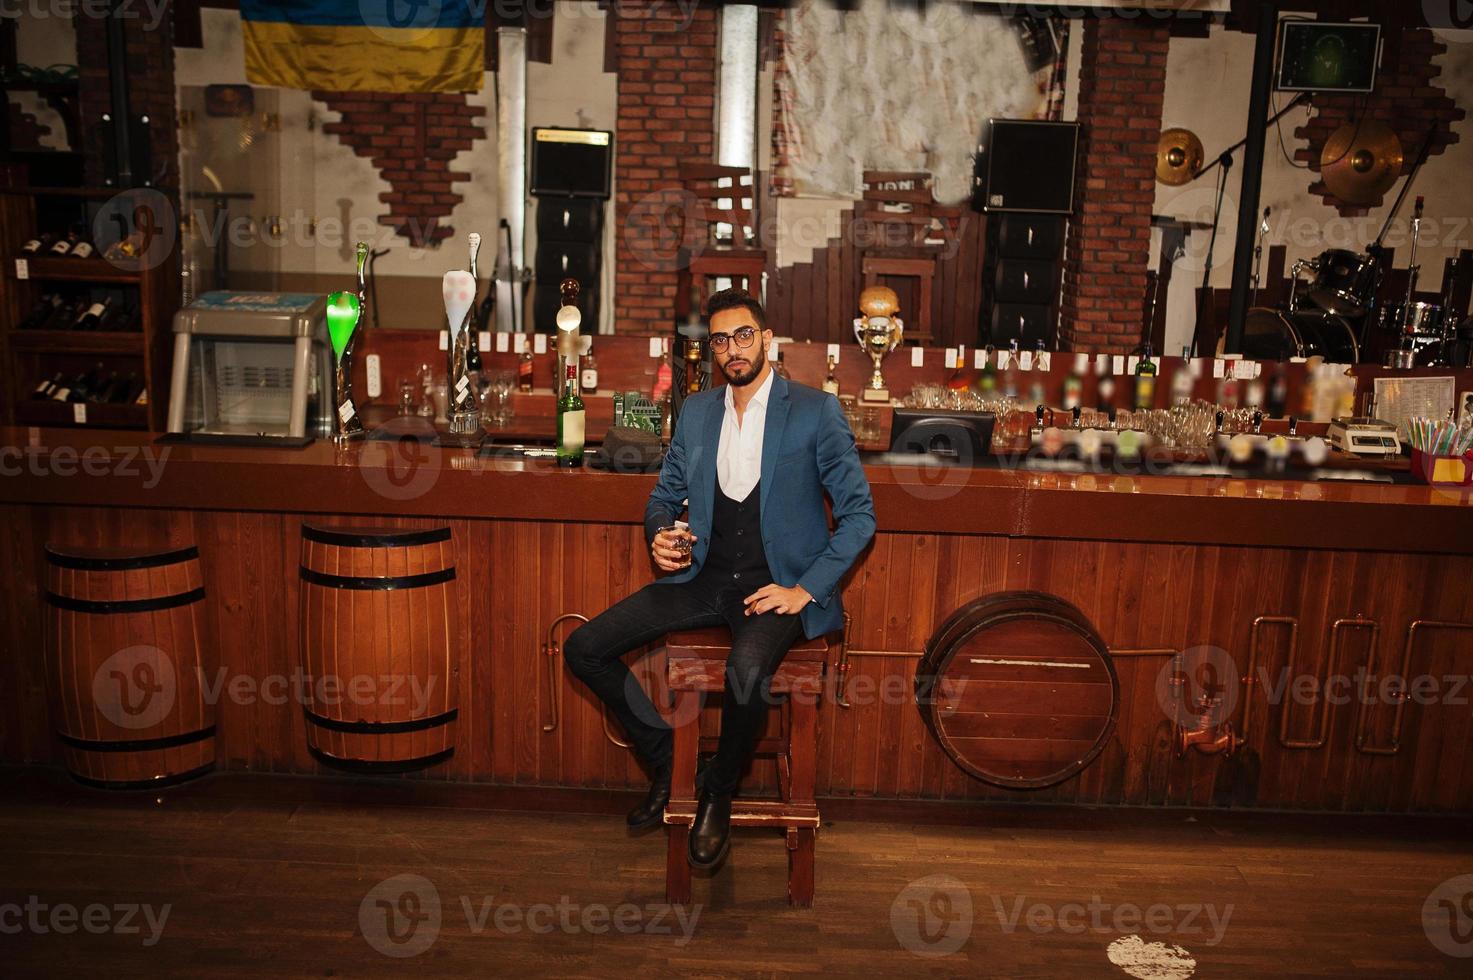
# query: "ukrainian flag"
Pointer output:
{"type": "Point", "coordinates": [365, 45]}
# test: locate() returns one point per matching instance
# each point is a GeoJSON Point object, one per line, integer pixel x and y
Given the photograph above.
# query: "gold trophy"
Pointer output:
{"type": "Point", "coordinates": [878, 333]}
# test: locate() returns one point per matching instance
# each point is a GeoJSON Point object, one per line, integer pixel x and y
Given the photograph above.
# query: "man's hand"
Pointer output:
{"type": "Point", "coordinates": [775, 598]}
{"type": "Point", "coordinates": [665, 554]}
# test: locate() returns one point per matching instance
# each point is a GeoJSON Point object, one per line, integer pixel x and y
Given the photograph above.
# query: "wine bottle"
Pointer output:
{"type": "Point", "coordinates": [570, 419]}
{"type": "Point", "coordinates": [63, 393]}
{"type": "Point", "coordinates": [524, 366]}
{"type": "Point", "coordinates": [41, 312]}
{"type": "Point", "coordinates": [62, 247]}
{"type": "Point", "coordinates": [47, 387]}
{"type": "Point", "coordinates": [39, 244]}
{"type": "Point", "coordinates": [104, 390]}
{"type": "Point", "coordinates": [127, 389]}
{"type": "Point", "coordinates": [1145, 380]}
{"type": "Point", "coordinates": [91, 318]}
{"type": "Point", "coordinates": [1074, 382]}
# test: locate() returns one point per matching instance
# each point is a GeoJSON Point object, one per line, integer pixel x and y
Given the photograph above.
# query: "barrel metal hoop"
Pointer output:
{"type": "Point", "coordinates": [358, 538]}
{"type": "Point", "coordinates": [104, 607]}
{"type": "Point", "coordinates": [88, 563]}
{"type": "Point", "coordinates": [383, 583]}
{"type": "Point", "coordinates": [377, 766]}
{"type": "Point", "coordinates": [133, 784]}
{"type": "Point", "coordinates": [135, 744]}
{"type": "Point", "coordinates": [380, 727]}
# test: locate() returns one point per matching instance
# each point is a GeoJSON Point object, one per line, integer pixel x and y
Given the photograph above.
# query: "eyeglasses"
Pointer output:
{"type": "Point", "coordinates": [742, 335]}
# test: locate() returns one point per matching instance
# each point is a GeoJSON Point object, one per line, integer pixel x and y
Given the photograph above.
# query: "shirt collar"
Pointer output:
{"type": "Point", "coordinates": [759, 397]}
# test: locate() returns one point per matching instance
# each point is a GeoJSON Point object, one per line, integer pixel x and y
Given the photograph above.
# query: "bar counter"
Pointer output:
{"type": "Point", "coordinates": [1285, 577]}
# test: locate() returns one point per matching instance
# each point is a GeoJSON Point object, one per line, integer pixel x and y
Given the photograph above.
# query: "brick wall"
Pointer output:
{"type": "Point", "coordinates": [150, 70]}
{"type": "Point", "coordinates": [1407, 98]}
{"type": "Point", "coordinates": [411, 140]}
{"type": "Point", "coordinates": [1122, 77]}
{"type": "Point", "coordinates": [667, 107]}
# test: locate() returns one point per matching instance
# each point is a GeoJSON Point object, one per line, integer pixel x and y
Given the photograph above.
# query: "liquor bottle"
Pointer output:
{"type": "Point", "coordinates": [1105, 393]}
{"type": "Point", "coordinates": [73, 391]}
{"type": "Point", "coordinates": [780, 367]}
{"type": "Point", "coordinates": [83, 247]}
{"type": "Point", "coordinates": [473, 351]}
{"type": "Point", "coordinates": [1184, 380]}
{"type": "Point", "coordinates": [570, 419]}
{"type": "Point", "coordinates": [524, 366]}
{"type": "Point", "coordinates": [589, 374]}
{"type": "Point", "coordinates": [41, 243]}
{"type": "Point", "coordinates": [987, 380]}
{"type": "Point", "coordinates": [91, 318]}
{"type": "Point", "coordinates": [1145, 380]}
{"type": "Point", "coordinates": [1010, 376]}
{"type": "Point", "coordinates": [831, 383]}
{"type": "Point", "coordinates": [105, 388]}
{"type": "Point", "coordinates": [1074, 382]}
{"type": "Point", "coordinates": [1278, 394]}
{"type": "Point", "coordinates": [136, 393]}
{"type": "Point", "coordinates": [47, 387]}
{"type": "Point", "coordinates": [664, 375]}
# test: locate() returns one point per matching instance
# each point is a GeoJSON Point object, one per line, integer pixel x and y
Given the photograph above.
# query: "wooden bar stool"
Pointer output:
{"type": "Point", "coordinates": [696, 665]}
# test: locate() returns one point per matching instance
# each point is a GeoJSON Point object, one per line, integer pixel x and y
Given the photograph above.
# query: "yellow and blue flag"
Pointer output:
{"type": "Point", "coordinates": [365, 45]}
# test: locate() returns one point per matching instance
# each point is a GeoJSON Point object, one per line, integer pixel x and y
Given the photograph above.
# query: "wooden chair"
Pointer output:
{"type": "Point", "coordinates": [697, 665]}
{"type": "Point", "coordinates": [720, 235]}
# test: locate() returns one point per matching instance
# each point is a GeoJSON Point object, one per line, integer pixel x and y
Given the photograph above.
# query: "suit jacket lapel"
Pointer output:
{"type": "Point", "coordinates": [705, 467]}
{"type": "Point", "coordinates": [772, 434]}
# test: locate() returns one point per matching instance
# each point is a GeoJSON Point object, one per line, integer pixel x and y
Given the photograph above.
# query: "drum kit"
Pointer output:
{"type": "Point", "coordinates": [1332, 310]}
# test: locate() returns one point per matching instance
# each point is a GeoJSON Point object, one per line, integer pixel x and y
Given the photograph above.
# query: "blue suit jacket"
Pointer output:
{"type": "Point", "coordinates": [807, 450]}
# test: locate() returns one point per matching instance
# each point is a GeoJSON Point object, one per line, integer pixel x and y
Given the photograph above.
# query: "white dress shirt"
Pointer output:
{"type": "Point", "coordinates": [739, 453]}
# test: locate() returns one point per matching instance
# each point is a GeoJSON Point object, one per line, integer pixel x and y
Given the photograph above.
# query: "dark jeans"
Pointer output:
{"type": "Point", "coordinates": [758, 645]}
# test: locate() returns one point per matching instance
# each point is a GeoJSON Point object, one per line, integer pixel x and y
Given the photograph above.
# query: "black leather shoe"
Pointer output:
{"type": "Point", "coordinates": [710, 835]}
{"type": "Point", "coordinates": [652, 810]}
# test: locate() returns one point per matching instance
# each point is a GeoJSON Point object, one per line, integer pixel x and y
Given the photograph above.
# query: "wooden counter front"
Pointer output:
{"type": "Point", "coordinates": [1159, 564]}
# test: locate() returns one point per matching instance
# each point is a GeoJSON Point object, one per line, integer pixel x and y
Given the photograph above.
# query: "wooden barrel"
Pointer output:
{"type": "Point", "coordinates": [124, 666]}
{"type": "Point", "coordinates": [1018, 689]}
{"type": "Point", "coordinates": [378, 622]}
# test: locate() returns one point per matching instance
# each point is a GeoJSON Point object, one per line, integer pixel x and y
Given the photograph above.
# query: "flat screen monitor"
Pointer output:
{"type": "Point", "coordinates": [962, 437]}
{"type": "Point", "coordinates": [1318, 56]}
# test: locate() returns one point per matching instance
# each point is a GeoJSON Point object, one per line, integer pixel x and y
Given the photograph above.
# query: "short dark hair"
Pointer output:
{"type": "Point", "coordinates": [731, 299]}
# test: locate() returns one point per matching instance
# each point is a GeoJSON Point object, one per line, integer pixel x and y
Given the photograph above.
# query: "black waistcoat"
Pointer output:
{"type": "Point", "coordinates": [736, 555]}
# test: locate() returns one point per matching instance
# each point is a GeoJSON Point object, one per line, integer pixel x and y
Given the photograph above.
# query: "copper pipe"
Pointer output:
{"type": "Point", "coordinates": [1250, 678]}
{"type": "Point", "coordinates": [1143, 651]}
{"type": "Point", "coordinates": [1363, 711]}
{"type": "Point", "coordinates": [553, 648]}
{"type": "Point", "coordinates": [841, 665]}
{"type": "Point", "coordinates": [1322, 725]}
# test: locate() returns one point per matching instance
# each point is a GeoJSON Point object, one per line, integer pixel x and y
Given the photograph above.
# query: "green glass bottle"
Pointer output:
{"type": "Point", "coordinates": [1145, 380]}
{"type": "Point", "coordinates": [570, 418]}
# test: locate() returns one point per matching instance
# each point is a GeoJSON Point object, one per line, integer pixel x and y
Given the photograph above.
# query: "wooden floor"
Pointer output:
{"type": "Point", "coordinates": [270, 876]}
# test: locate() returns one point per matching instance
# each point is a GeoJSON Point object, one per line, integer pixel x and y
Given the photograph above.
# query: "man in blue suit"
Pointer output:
{"type": "Point", "coordinates": [752, 460]}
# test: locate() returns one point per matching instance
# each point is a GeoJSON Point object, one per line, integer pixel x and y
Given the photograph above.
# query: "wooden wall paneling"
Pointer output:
{"type": "Point", "coordinates": [25, 726]}
{"type": "Point", "coordinates": [825, 328]}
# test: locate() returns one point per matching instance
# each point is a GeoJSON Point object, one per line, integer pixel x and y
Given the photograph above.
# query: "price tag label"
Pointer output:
{"type": "Point", "coordinates": [1025, 360]}
{"type": "Point", "coordinates": [1117, 363]}
{"type": "Point", "coordinates": [951, 357]}
{"type": "Point", "coordinates": [1102, 362]}
{"type": "Point", "coordinates": [979, 359]}
{"type": "Point", "coordinates": [79, 413]}
{"type": "Point", "coordinates": [1244, 370]}
{"type": "Point", "coordinates": [539, 343]}
{"type": "Point", "coordinates": [345, 411]}
{"type": "Point", "coordinates": [483, 340]}
{"type": "Point", "coordinates": [917, 357]}
{"type": "Point", "coordinates": [1045, 361]}
{"type": "Point", "coordinates": [503, 342]}
{"type": "Point", "coordinates": [834, 352]}
{"type": "Point", "coordinates": [655, 350]}
{"type": "Point", "coordinates": [1132, 364]}
{"type": "Point", "coordinates": [444, 339]}
{"type": "Point", "coordinates": [1219, 368]}
{"type": "Point", "coordinates": [22, 269]}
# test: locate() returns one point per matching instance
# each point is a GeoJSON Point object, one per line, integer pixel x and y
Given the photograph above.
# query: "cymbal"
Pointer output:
{"type": "Point", "coordinates": [1178, 157]}
{"type": "Point", "coordinates": [1361, 165]}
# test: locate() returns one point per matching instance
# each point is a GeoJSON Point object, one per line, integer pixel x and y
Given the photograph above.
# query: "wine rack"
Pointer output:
{"type": "Point", "coordinates": [133, 345]}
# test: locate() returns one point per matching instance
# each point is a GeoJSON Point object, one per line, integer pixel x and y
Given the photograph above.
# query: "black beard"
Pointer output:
{"type": "Point", "coordinates": [752, 376]}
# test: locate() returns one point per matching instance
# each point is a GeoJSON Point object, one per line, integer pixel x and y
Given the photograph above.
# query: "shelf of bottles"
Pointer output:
{"type": "Point", "coordinates": [78, 342]}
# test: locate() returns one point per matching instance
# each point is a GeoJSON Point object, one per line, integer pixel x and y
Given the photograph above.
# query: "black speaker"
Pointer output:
{"type": "Point", "coordinates": [1026, 324]}
{"type": "Point", "coordinates": [1030, 166]}
{"type": "Point", "coordinates": [1029, 236]}
{"type": "Point", "coordinates": [1024, 281]}
{"type": "Point", "coordinates": [571, 162]}
{"type": "Point", "coordinates": [570, 219]}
